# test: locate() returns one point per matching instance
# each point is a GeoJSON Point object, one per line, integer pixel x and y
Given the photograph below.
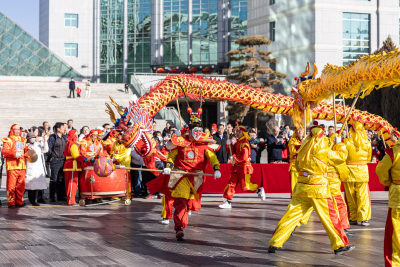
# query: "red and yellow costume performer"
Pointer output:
{"type": "Point", "coordinates": [356, 183]}
{"type": "Point", "coordinates": [72, 166]}
{"type": "Point", "coordinates": [15, 153]}
{"type": "Point", "coordinates": [312, 192]}
{"type": "Point", "coordinates": [91, 148]}
{"type": "Point", "coordinates": [241, 167]}
{"type": "Point", "coordinates": [109, 142]}
{"type": "Point", "coordinates": [388, 171]}
{"type": "Point", "coordinates": [192, 156]}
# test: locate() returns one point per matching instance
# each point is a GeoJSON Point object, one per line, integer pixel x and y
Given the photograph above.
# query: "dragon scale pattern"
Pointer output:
{"type": "Point", "coordinates": [196, 87]}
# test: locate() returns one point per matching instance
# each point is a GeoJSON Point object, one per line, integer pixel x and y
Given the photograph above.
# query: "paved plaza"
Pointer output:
{"type": "Point", "coordinates": [118, 235]}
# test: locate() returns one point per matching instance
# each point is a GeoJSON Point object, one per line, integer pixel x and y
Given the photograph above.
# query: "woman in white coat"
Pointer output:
{"type": "Point", "coordinates": [35, 175]}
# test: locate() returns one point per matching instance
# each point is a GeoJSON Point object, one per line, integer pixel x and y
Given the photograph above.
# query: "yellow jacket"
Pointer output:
{"type": "Point", "coordinates": [293, 145]}
{"type": "Point", "coordinates": [388, 171]}
{"type": "Point", "coordinates": [360, 152]}
{"type": "Point", "coordinates": [337, 162]}
{"type": "Point", "coordinates": [121, 154]}
{"type": "Point", "coordinates": [312, 164]}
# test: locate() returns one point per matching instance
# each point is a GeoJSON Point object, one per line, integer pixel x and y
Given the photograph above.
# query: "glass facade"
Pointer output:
{"type": "Point", "coordinates": [139, 36]}
{"type": "Point", "coordinates": [356, 36]}
{"type": "Point", "coordinates": [111, 40]}
{"type": "Point", "coordinates": [176, 37]}
{"type": "Point", "coordinates": [23, 55]}
{"type": "Point", "coordinates": [205, 32]}
{"type": "Point", "coordinates": [176, 20]}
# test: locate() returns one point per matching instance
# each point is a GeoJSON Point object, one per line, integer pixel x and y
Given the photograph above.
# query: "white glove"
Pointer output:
{"type": "Point", "coordinates": [18, 155]}
{"type": "Point", "coordinates": [167, 171]}
{"type": "Point", "coordinates": [230, 159]}
{"type": "Point", "coordinates": [338, 139]}
{"type": "Point", "coordinates": [217, 174]}
{"type": "Point", "coordinates": [228, 142]}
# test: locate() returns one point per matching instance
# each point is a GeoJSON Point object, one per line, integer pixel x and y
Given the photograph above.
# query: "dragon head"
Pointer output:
{"type": "Point", "coordinates": [136, 127]}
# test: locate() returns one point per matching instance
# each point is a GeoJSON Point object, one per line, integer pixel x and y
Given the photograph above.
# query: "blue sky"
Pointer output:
{"type": "Point", "coordinates": [24, 12]}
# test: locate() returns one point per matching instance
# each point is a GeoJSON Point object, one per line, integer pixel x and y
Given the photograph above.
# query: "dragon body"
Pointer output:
{"type": "Point", "coordinates": [368, 73]}
{"type": "Point", "coordinates": [142, 110]}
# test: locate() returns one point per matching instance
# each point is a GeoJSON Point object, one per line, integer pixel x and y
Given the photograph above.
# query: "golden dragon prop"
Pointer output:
{"type": "Point", "coordinates": [368, 73]}
{"type": "Point", "coordinates": [193, 86]}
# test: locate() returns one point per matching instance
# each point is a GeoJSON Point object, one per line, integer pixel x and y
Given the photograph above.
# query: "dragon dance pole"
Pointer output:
{"type": "Point", "coordinates": [334, 112]}
{"type": "Point", "coordinates": [226, 123]}
{"type": "Point", "coordinates": [344, 112]}
{"type": "Point", "coordinates": [383, 139]}
{"type": "Point", "coordinates": [157, 170]}
{"type": "Point", "coordinates": [351, 108]}
{"type": "Point", "coordinates": [179, 111]}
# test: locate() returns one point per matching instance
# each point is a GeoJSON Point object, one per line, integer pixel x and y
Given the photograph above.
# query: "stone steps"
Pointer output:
{"type": "Point", "coordinates": [31, 103]}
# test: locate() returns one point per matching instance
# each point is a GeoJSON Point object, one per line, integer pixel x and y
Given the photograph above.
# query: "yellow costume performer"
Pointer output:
{"type": "Point", "coordinates": [293, 146]}
{"type": "Point", "coordinates": [388, 171]}
{"type": "Point", "coordinates": [312, 191]}
{"type": "Point", "coordinates": [337, 170]}
{"type": "Point", "coordinates": [356, 183]}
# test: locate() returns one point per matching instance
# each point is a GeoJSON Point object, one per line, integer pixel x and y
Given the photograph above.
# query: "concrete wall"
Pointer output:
{"type": "Point", "coordinates": [52, 19]}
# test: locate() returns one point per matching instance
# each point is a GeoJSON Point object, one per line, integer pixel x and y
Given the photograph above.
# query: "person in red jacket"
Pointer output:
{"type": "Point", "coordinates": [15, 152]}
{"type": "Point", "coordinates": [241, 167]}
{"type": "Point", "coordinates": [91, 148]}
{"type": "Point", "coordinates": [72, 166]}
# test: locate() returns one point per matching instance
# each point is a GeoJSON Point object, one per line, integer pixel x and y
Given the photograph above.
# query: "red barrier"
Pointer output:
{"type": "Point", "coordinates": [274, 177]}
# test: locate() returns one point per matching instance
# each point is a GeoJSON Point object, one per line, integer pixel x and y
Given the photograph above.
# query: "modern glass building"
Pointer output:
{"type": "Point", "coordinates": [23, 55]}
{"type": "Point", "coordinates": [143, 35]}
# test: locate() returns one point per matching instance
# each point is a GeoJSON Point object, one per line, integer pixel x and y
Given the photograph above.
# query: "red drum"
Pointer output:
{"type": "Point", "coordinates": [92, 186]}
{"type": "Point", "coordinates": [103, 166]}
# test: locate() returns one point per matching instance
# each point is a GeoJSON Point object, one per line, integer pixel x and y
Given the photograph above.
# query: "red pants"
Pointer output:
{"type": "Point", "coordinates": [15, 187]}
{"type": "Point", "coordinates": [238, 178]}
{"type": "Point", "coordinates": [168, 207]}
{"type": "Point", "coordinates": [71, 182]}
{"type": "Point", "coordinates": [181, 206]}
{"type": "Point", "coordinates": [391, 248]}
{"type": "Point", "coordinates": [342, 208]}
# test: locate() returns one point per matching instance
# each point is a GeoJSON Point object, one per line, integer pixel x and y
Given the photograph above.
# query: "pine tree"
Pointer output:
{"type": "Point", "coordinates": [385, 101]}
{"type": "Point", "coordinates": [253, 69]}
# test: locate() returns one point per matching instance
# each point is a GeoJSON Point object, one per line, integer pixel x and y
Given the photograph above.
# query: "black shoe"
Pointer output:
{"type": "Point", "coordinates": [344, 249]}
{"type": "Point", "coordinates": [41, 201]}
{"type": "Point", "coordinates": [52, 200]}
{"type": "Point", "coordinates": [348, 233]}
{"type": "Point", "coordinates": [11, 207]}
{"type": "Point", "coordinates": [353, 222]}
{"type": "Point", "coordinates": [35, 204]}
{"type": "Point", "coordinates": [20, 206]}
{"type": "Point", "coordinates": [179, 234]}
{"type": "Point", "coordinates": [272, 249]}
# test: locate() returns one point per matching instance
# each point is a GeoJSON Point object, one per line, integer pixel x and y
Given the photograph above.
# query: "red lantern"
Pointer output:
{"type": "Point", "coordinates": [207, 70]}
{"type": "Point", "coordinates": [193, 70]}
{"type": "Point", "coordinates": [174, 70]}
{"type": "Point", "coordinates": [160, 70]}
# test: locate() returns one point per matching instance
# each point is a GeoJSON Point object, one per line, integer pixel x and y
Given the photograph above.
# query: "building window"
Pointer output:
{"type": "Point", "coordinates": [356, 36]}
{"type": "Point", "coordinates": [271, 2]}
{"type": "Point", "coordinates": [71, 50]}
{"type": "Point", "coordinates": [71, 20]}
{"type": "Point", "coordinates": [272, 30]}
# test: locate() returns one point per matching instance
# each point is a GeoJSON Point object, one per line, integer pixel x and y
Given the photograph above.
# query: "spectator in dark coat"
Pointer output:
{"type": "Point", "coordinates": [254, 146]}
{"type": "Point", "coordinates": [220, 137]}
{"type": "Point", "coordinates": [72, 88]}
{"type": "Point", "coordinates": [275, 145]}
